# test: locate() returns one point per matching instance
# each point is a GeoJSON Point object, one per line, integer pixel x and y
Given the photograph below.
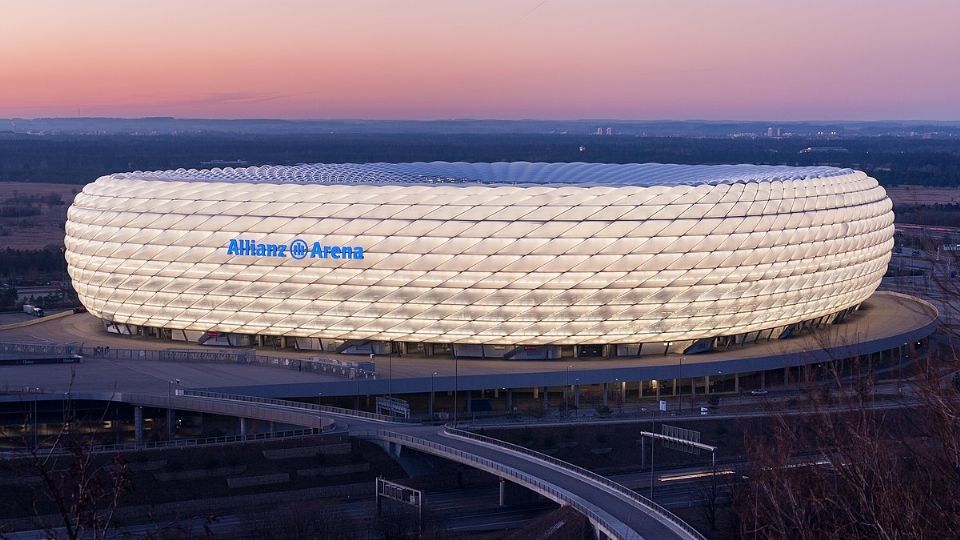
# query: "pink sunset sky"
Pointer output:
{"type": "Point", "coordinates": [552, 59]}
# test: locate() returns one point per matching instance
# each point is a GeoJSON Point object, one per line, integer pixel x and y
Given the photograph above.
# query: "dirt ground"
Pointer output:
{"type": "Point", "coordinates": [912, 195]}
{"type": "Point", "coordinates": [34, 232]}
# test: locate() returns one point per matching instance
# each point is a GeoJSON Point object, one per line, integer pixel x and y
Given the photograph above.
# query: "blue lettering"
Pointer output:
{"type": "Point", "coordinates": [251, 248]}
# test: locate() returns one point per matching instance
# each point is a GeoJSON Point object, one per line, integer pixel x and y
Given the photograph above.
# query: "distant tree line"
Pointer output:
{"type": "Point", "coordinates": [80, 159]}
{"type": "Point", "coordinates": [26, 262]}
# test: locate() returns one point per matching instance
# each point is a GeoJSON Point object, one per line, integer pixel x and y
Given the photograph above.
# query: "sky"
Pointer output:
{"type": "Point", "coordinates": [503, 59]}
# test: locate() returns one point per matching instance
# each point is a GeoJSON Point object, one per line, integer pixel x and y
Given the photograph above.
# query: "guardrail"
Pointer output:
{"type": "Point", "coordinates": [293, 404]}
{"type": "Point", "coordinates": [339, 368]}
{"type": "Point", "coordinates": [517, 476]}
{"type": "Point", "coordinates": [606, 482]}
{"type": "Point", "coordinates": [180, 443]}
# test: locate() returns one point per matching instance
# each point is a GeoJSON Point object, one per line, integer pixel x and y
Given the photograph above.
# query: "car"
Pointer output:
{"type": "Point", "coordinates": [760, 392]}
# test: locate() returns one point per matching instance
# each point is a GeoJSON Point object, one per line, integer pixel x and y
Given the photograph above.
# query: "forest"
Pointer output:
{"type": "Point", "coordinates": [82, 158]}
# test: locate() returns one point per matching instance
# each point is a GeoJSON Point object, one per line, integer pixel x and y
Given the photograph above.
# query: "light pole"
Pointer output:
{"type": "Point", "coordinates": [432, 375]}
{"type": "Point", "coordinates": [456, 386]}
{"type": "Point", "coordinates": [680, 385]}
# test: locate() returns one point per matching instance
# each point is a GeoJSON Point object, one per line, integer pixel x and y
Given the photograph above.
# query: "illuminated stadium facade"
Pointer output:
{"type": "Point", "coordinates": [504, 260]}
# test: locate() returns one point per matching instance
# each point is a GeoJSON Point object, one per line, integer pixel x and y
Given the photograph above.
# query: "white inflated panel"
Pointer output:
{"type": "Point", "coordinates": [532, 263]}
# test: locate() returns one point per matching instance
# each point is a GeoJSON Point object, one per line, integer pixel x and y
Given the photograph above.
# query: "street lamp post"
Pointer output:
{"type": "Point", "coordinates": [456, 386]}
{"type": "Point", "coordinates": [432, 375]}
{"type": "Point", "coordinates": [680, 384]}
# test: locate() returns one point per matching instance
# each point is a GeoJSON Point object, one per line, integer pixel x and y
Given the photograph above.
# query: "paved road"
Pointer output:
{"type": "Point", "coordinates": [887, 315]}
{"type": "Point", "coordinates": [619, 514]}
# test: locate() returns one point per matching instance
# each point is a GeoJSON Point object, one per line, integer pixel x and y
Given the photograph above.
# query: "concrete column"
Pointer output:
{"type": "Point", "coordinates": [623, 392]}
{"type": "Point", "coordinates": [243, 428]}
{"type": "Point", "coordinates": [431, 405]}
{"type": "Point", "coordinates": [676, 387]}
{"type": "Point", "coordinates": [536, 392]}
{"type": "Point", "coordinates": [605, 392]}
{"type": "Point", "coordinates": [763, 379]}
{"type": "Point", "coordinates": [546, 397]}
{"type": "Point", "coordinates": [138, 426]}
{"type": "Point", "coordinates": [576, 396]}
{"type": "Point", "coordinates": [736, 383]}
{"type": "Point", "coordinates": [657, 389]}
{"type": "Point", "coordinates": [640, 390]}
{"type": "Point", "coordinates": [706, 384]}
{"type": "Point", "coordinates": [509, 400]}
{"type": "Point", "coordinates": [786, 376]}
{"type": "Point", "coordinates": [469, 401]}
{"type": "Point", "coordinates": [693, 388]}
{"type": "Point", "coordinates": [496, 393]}
{"type": "Point", "coordinates": [503, 492]}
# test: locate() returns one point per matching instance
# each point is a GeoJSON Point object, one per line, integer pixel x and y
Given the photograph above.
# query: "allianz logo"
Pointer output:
{"type": "Point", "coordinates": [297, 249]}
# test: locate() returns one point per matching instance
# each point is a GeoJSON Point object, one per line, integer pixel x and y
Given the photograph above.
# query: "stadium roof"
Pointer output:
{"type": "Point", "coordinates": [501, 173]}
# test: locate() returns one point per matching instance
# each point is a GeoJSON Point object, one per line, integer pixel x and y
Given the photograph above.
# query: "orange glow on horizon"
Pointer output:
{"type": "Point", "coordinates": [743, 59]}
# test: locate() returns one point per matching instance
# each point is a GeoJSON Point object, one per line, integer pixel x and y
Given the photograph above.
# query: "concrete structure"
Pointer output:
{"type": "Point", "coordinates": [491, 260]}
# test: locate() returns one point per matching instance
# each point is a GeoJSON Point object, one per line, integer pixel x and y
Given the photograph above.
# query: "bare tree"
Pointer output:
{"type": "Point", "coordinates": [860, 472]}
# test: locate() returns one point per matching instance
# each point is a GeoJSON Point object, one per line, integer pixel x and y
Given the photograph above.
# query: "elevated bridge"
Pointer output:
{"type": "Point", "coordinates": [614, 510]}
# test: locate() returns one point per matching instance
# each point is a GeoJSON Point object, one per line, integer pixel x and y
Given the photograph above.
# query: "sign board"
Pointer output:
{"type": "Point", "coordinates": [663, 405]}
{"type": "Point", "coordinates": [393, 406]}
{"type": "Point", "coordinates": [396, 492]}
{"type": "Point", "coordinates": [683, 434]}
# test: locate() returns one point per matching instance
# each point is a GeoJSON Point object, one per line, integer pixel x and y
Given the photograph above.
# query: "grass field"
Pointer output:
{"type": "Point", "coordinates": [914, 195]}
{"type": "Point", "coordinates": [34, 231]}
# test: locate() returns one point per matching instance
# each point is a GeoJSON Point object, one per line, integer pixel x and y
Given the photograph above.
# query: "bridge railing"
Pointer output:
{"type": "Point", "coordinates": [508, 472]}
{"type": "Point", "coordinates": [292, 404]}
{"type": "Point", "coordinates": [606, 482]}
{"type": "Point", "coordinates": [178, 443]}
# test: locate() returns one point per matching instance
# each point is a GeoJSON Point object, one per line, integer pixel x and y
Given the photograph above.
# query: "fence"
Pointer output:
{"type": "Point", "coordinates": [616, 487]}
{"type": "Point", "coordinates": [338, 368]}
{"type": "Point", "coordinates": [294, 405]}
{"type": "Point", "coordinates": [180, 443]}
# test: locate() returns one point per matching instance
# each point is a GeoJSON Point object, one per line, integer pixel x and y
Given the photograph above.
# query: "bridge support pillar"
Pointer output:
{"type": "Point", "coordinates": [706, 384]}
{"type": "Point", "coordinates": [138, 426]}
{"type": "Point", "coordinates": [509, 400]}
{"type": "Point", "coordinates": [503, 492]}
{"type": "Point", "coordinates": [546, 397]}
{"type": "Point", "coordinates": [763, 379]}
{"type": "Point", "coordinates": [605, 391]}
{"type": "Point", "coordinates": [576, 396]}
{"type": "Point", "coordinates": [736, 383]}
{"type": "Point", "coordinates": [243, 428]}
{"type": "Point", "coordinates": [623, 392]}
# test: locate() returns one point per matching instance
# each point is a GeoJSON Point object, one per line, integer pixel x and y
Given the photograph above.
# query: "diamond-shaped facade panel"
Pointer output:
{"type": "Point", "coordinates": [501, 253]}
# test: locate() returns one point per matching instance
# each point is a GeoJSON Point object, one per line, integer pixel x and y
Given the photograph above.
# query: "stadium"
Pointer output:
{"type": "Point", "coordinates": [489, 260]}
